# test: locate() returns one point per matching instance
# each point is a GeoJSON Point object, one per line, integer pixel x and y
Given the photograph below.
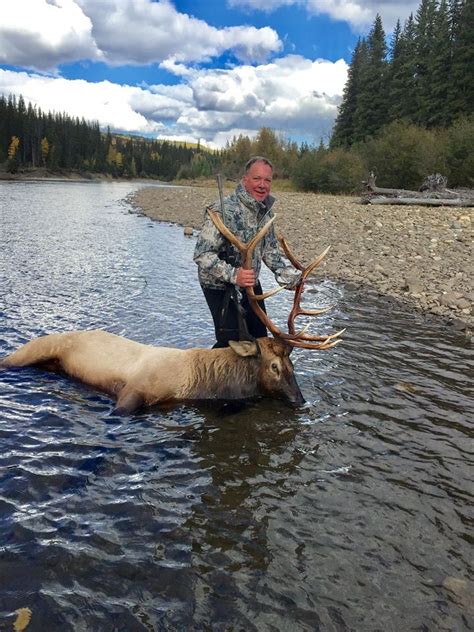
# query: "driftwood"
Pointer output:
{"type": "Point", "coordinates": [433, 192]}
{"type": "Point", "coordinates": [419, 201]}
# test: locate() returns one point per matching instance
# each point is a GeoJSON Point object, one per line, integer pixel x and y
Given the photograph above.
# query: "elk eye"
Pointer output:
{"type": "Point", "coordinates": [275, 368]}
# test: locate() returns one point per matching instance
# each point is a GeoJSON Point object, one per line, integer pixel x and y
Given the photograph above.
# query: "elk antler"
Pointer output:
{"type": "Point", "coordinates": [296, 339]}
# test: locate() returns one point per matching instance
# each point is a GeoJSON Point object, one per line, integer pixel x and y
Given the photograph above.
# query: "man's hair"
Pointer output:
{"type": "Point", "coordinates": [255, 159]}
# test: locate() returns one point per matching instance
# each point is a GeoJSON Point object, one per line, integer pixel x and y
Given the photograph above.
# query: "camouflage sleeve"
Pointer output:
{"type": "Point", "coordinates": [285, 274]}
{"type": "Point", "coordinates": [208, 245]}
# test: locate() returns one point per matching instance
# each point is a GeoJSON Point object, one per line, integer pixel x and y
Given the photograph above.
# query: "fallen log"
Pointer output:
{"type": "Point", "coordinates": [406, 193]}
{"type": "Point", "coordinates": [419, 201]}
{"type": "Point", "coordinates": [433, 192]}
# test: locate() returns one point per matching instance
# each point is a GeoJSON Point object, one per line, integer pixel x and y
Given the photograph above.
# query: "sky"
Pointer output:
{"type": "Point", "coordinates": [190, 70]}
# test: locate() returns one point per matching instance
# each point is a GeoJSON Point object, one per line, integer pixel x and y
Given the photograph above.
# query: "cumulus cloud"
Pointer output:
{"type": "Point", "coordinates": [155, 31]}
{"type": "Point", "coordinates": [43, 34]}
{"type": "Point", "coordinates": [40, 34]}
{"type": "Point", "coordinates": [358, 13]}
{"type": "Point", "coordinates": [293, 95]}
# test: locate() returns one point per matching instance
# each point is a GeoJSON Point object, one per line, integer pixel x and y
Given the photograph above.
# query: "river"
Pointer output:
{"type": "Point", "coordinates": [350, 513]}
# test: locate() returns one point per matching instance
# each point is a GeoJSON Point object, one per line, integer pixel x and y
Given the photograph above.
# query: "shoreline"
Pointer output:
{"type": "Point", "coordinates": [422, 255]}
{"type": "Point", "coordinates": [44, 175]}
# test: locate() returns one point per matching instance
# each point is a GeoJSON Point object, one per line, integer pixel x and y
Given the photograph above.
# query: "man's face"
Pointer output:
{"type": "Point", "coordinates": [257, 181]}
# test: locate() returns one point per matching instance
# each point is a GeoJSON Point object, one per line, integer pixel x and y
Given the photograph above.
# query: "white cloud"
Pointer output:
{"type": "Point", "coordinates": [358, 13]}
{"type": "Point", "coordinates": [124, 108]}
{"type": "Point", "coordinates": [293, 95]}
{"type": "Point", "coordinates": [42, 34]}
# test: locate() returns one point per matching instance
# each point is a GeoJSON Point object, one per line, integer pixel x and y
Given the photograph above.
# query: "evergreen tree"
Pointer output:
{"type": "Point", "coordinates": [424, 49]}
{"type": "Point", "coordinates": [372, 100]}
{"type": "Point", "coordinates": [438, 112]}
{"type": "Point", "coordinates": [462, 69]}
{"type": "Point", "coordinates": [402, 71]}
{"type": "Point", "coordinates": [343, 133]}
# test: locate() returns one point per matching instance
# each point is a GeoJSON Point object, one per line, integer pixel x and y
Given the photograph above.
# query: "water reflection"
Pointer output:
{"type": "Point", "coordinates": [351, 513]}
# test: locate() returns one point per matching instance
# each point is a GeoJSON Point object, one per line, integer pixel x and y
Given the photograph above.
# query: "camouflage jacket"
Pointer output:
{"type": "Point", "coordinates": [218, 260]}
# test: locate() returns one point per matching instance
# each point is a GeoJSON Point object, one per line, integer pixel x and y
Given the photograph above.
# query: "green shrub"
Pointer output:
{"type": "Point", "coordinates": [330, 171]}
{"type": "Point", "coordinates": [459, 148]}
{"type": "Point", "coordinates": [402, 155]}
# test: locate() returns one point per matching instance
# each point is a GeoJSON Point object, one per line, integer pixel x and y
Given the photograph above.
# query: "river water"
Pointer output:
{"type": "Point", "coordinates": [351, 513]}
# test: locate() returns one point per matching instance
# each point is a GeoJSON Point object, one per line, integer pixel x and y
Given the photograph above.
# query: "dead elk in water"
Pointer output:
{"type": "Point", "coordinates": [137, 374]}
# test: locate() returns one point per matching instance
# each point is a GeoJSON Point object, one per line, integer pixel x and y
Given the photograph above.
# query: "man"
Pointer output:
{"type": "Point", "coordinates": [221, 276]}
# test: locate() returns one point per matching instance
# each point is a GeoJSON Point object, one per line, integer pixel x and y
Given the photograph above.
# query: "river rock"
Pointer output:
{"type": "Point", "coordinates": [412, 285]}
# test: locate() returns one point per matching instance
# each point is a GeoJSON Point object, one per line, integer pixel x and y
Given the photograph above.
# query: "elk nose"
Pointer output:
{"type": "Point", "coordinates": [296, 398]}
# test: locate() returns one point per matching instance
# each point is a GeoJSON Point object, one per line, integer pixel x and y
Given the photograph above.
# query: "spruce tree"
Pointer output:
{"type": "Point", "coordinates": [402, 87]}
{"type": "Point", "coordinates": [438, 112]}
{"type": "Point", "coordinates": [343, 133]}
{"type": "Point", "coordinates": [462, 69]}
{"type": "Point", "coordinates": [372, 100]}
{"type": "Point", "coordinates": [425, 46]}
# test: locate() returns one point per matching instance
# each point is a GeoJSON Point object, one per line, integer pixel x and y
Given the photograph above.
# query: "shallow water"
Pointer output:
{"type": "Point", "coordinates": [351, 513]}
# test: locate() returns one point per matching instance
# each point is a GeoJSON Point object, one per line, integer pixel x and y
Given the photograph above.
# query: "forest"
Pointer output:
{"type": "Point", "coordinates": [407, 111]}
{"type": "Point", "coordinates": [30, 138]}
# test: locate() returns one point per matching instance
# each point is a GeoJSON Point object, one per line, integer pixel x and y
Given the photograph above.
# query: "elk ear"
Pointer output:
{"type": "Point", "coordinates": [244, 348]}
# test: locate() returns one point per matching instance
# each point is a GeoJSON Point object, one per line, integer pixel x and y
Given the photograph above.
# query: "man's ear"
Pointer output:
{"type": "Point", "coordinates": [244, 348]}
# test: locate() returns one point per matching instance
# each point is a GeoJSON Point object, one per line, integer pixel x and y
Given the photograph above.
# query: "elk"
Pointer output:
{"type": "Point", "coordinates": [137, 374]}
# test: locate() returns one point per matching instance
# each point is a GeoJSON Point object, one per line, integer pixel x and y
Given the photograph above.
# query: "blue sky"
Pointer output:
{"type": "Point", "coordinates": [189, 69]}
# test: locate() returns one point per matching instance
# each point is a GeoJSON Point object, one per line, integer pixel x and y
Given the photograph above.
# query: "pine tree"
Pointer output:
{"type": "Point", "coordinates": [372, 104]}
{"type": "Point", "coordinates": [402, 87]}
{"type": "Point", "coordinates": [438, 113]}
{"type": "Point", "coordinates": [424, 49]}
{"type": "Point", "coordinates": [462, 72]}
{"type": "Point", "coordinates": [343, 132]}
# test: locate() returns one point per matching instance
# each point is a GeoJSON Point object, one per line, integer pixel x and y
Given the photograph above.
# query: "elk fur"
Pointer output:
{"type": "Point", "coordinates": [137, 374]}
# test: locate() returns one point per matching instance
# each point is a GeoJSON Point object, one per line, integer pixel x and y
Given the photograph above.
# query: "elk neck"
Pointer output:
{"type": "Point", "coordinates": [222, 374]}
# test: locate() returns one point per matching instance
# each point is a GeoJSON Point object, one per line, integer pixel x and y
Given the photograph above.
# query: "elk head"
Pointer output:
{"type": "Point", "coordinates": [275, 377]}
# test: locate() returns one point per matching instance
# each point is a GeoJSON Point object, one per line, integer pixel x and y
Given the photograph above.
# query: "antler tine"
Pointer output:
{"type": "Point", "coordinates": [310, 337]}
{"type": "Point", "coordinates": [265, 295]}
{"type": "Point", "coordinates": [314, 312]}
{"type": "Point", "coordinates": [317, 347]}
{"type": "Point", "coordinates": [297, 264]}
{"type": "Point", "coordinates": [260, 235]}
{"type": "Point", "coordinates": [297, 310]}
{"type": "Point", "coordinates": [289, 255]}
{"type": "Point", "coordinates": [307, 271]}
{"type": "Point", "coordinates": [222, 228]}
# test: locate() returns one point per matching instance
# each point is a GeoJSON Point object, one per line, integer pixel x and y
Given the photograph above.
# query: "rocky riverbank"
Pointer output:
{"type": "Point", "coordinates": [418, 254]}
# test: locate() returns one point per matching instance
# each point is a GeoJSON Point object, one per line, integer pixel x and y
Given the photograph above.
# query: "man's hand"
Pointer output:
{"type": "Point", "coordinates": [245, 278]}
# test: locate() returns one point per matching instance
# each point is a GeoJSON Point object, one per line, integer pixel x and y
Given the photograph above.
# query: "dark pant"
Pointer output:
{"type": "Point", "coordinates": [226, 319]}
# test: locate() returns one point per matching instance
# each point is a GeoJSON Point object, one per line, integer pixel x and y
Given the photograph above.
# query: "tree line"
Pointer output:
{"type": "Point", "coordinates": [425, 77]}
{"type": "Point", "coordinates": [30, 138]}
